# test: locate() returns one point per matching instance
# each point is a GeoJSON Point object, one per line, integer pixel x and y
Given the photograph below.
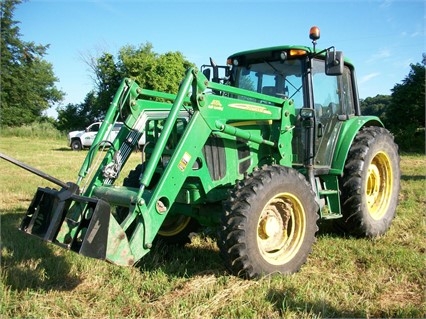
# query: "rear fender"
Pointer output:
{"type": "Point", "coordinates": [347, 134]}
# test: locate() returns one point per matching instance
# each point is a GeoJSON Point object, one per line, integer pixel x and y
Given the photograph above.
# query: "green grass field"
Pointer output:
{"type": "Point", "coordinates": [344, 277]}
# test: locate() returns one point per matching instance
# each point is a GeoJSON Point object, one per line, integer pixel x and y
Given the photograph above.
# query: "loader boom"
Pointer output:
{"type": "Point", "coordinates": [209, 115]}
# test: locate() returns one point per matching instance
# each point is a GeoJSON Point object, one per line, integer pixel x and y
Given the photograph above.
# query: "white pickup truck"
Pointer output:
{"type": "Point", "coordinates": [78, 140]}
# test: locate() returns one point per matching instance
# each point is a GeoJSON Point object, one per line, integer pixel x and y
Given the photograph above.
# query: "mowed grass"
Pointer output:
{"type": "Point", "coordinates": [344, 277]}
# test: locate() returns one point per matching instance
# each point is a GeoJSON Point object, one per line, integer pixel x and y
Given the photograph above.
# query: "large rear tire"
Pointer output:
{"type": "Point", "coordinates": [370, 183]}
{"type": "Point", "coordinates": [269, 223]}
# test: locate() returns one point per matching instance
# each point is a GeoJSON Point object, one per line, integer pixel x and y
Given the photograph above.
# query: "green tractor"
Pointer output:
{"type": "Point", "coordinates": [261, 153]}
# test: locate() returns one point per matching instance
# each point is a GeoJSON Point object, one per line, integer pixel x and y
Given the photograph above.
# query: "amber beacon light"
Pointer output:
{"type": "Point", "coordinates": [314, 35]}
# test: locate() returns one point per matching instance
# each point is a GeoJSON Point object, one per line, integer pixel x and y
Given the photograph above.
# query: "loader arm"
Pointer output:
{"type": "Point", "coordinates": [86, 222]}
{"type": "Point", "coordinates": [150, 208]}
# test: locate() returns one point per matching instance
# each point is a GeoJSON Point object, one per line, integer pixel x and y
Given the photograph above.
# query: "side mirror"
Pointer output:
{"type": "Point", "coordinates": [215, 71]}
{"type": "Point", "coordinates": [334, 62]}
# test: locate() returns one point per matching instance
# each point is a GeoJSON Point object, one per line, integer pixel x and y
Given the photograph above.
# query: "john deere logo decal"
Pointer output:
{"type": "Point", "coordinates": [216, 105]}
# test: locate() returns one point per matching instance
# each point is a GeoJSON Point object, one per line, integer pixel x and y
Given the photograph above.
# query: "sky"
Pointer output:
{"type": "Point", "coordinates": [382, 38]}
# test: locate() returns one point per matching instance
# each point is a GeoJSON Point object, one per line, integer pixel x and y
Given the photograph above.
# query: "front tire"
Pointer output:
{"type": "Point", "coordinates": [370, 183]}
{"type": "Point", "coordinates": [269, 224]}
{"type": "Point", "coordinates": [176, 229]}
{"type": "Point", "coordinates": [76, 145]}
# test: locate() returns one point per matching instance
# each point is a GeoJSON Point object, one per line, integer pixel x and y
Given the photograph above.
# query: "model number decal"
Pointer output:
{"type": "Point", "coordinates": [251, 108]}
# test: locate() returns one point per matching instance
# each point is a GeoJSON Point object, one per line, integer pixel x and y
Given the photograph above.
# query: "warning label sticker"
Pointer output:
{"type": "Point", "coordinates": [184, 161]}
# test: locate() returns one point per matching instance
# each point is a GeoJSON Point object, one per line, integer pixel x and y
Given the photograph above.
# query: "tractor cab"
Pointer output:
{"type": "Point", "coordinates": [320, 84]}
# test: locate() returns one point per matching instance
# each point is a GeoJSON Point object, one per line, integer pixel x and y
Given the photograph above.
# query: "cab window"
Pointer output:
{"type": "Point", "coordinates": [347, 92]}
{"type": "Point", "coordinates": [275, 78]}
{"type": "Point", "coordinates": [333, 95]}
{"type": "Point", "coordinates": [93, 128]}
{"type": "Point", "coordinates": [325, 90]}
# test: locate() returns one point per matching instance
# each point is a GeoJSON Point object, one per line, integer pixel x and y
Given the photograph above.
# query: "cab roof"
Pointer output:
{"type": "Point", "coordinates": [260, 53]}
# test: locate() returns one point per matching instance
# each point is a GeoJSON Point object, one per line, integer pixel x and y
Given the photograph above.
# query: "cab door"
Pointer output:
{"type": "Point", "coordinates": [333, 103]}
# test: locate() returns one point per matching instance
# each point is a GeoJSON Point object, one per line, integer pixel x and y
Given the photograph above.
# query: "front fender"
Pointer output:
{"type": "Point", "coordinates": [347, 134]}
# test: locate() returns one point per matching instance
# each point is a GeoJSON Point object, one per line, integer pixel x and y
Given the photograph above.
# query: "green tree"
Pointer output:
{"type": "Point", "coordinates": [138, 63]}
{"type": "Point", "coordinates": [27, 80]}
{"type": "Point", "coordinates": [77, 116]}
{"type": "Point", "coordinates": [161, 72]}
{"type": "Point", "coordinates": [406, 113]}
{"type": "Point", "coordinates": [107, 80]}
{"type": "Point", "coordinates": [377, 105]}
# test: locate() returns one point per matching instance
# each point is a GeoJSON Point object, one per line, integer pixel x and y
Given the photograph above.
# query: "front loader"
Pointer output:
{"type": "Point", "coordinates": [261, 154]}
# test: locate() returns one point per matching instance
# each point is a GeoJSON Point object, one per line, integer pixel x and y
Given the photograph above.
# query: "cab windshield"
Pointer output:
{"type": "Point", "coordinates": [275, 78]}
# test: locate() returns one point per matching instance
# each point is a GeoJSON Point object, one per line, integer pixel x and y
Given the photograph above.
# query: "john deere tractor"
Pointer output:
{"type": "Point", "coordinates": [261, 153]}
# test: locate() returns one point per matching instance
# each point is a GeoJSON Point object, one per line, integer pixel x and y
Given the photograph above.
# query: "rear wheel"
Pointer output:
{"type": "Point", "coordinates": [370, 183]}
{"type": "Point", "coordinates": [269, 223]}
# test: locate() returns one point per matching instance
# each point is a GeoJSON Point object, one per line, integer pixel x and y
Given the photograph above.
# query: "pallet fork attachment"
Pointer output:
{"type": "Point", "coordinates": [78, 223]}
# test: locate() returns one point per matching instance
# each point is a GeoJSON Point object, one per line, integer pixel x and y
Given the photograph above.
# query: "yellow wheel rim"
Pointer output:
{"type": "Point", "coordinates": [281, 229]}
{"type": "Point", "coordinates": [378, 190]}
{"type": "Point", "coordinates": [173, 225]}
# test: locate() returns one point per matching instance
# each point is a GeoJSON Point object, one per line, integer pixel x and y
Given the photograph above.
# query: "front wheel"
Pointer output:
{"type": "Point", "coordinates": [269, 223]}
{"type": "Point", "coordinates": [76, 145]}
{"type": "Point", "coordinates": [176, 229]}
{"type": "Point", "coordinates": [370, 183]}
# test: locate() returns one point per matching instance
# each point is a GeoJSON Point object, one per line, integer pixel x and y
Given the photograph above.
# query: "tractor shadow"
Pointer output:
{"type": "Point", "coordinates": [28, 262]}
{"type": "Point", "coordinates": [200, 257]}
{"type": "Point", "coordinates": [409, 178]}
{"type": "Point", "coordinates": [63, 149]}
{"type": "Point", "coordinates": [330, 229]}
{"type": "Point", "coordinates": [287, 300]}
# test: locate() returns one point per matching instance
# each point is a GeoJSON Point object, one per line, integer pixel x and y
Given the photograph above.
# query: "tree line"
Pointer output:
{"type": "Point", "coordinates": [153, 71]}
{"type": "Point", "coordinates": [403, 112]}
{"type": "Point", "coordinates": [27, 81]}
{"type": "Point", "coordinates": [28, 85]}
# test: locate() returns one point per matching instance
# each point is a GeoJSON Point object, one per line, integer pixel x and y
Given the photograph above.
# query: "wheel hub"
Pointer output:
{"type": "Point", "coordinates": [373, 184]}
{"type": "Point", "coordinates": [280, 228]}
{"type": "Point", "coordinates": [378, 185]}
{"type": "Point", "coordinates": [271, 226]}
{"type": "Point", "coordinates": [272, 231]}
